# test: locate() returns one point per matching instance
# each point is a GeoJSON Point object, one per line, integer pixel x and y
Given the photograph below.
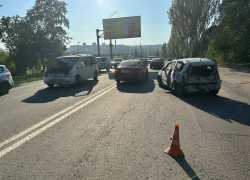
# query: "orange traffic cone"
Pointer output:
{"type": "Point", "coordinates": [175, 150]}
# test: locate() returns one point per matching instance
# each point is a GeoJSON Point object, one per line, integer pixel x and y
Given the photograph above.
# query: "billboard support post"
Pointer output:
{"type": "Point", "coordinates": [98, 45]}
{"type": "Point", "coordinates": [111, 54]}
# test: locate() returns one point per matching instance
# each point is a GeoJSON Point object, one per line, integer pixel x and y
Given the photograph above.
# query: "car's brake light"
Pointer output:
{"type": "Point", "coordinates": [9, 74]}
{"type": "Point", "coordinates": [160, 62]}
{"type": "Point", "coordinates": [151, 62]}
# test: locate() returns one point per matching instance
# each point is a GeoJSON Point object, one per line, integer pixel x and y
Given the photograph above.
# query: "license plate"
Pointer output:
{"type": "Point", "coordinates": [125, 71]}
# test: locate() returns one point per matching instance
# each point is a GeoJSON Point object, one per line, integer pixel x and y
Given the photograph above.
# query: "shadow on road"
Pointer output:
{"type": "Point", "coordinates": [222, 107]}
{"type": "Point", "coordinates": [187, 168]}
{"type": "Point", "coordinates": [135, 87]}
{"type": "Point", "coordinates": [244, 69]}
{"type": "Point", "coordinates": [51, 94]}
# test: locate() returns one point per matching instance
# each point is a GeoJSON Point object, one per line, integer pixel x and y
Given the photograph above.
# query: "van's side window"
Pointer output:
{"type": "Point", "coordinates": [87, 61]}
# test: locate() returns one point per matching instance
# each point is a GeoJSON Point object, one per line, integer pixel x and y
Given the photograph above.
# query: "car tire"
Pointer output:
{"type": "Point", "coordinates": [77, 80]}
{"type": "Point", "coordinates": [118, 81]}
{"type": "Point", "coordinates": [213, 92]}
{"type": "Point", "coordinates": [147, 75]}
{"type": "Point", "coordinates": [4, 88]}
{"type": "Point", "coordinates": [159, 81]}
{"type": "Point", "coordinates": [180, 91]}
{"type": "Point", "coordinates": [95, 76]}
{"type": "Point", "coordinates": [107, 69]}
{"type": "Point", "coordinates": [51, 85]}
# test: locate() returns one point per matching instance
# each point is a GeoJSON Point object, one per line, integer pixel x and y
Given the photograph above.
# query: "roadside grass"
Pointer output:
{"type": "Point", "coordinates": [28, 78]}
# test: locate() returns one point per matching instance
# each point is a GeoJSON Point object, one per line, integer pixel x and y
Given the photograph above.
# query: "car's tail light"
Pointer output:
{"type": "Point", "coordinates": [116, 71]}
{"type": "Point", "coordinates": [9, 74]}
{"type": "Point", "coordinates": [151, 62]}
{"type": "Point", "coordinates": [160, 62]}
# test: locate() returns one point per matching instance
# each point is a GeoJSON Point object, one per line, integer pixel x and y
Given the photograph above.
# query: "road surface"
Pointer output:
{"type": "Point", "coordinates": [99, 130]}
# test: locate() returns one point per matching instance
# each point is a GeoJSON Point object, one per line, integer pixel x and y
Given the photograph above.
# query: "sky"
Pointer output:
{"type": "Point", "coordinates": [86, 16]}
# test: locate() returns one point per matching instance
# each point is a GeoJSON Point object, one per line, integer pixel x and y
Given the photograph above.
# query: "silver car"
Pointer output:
{"type": "Point", "coordinates": [6, 81]}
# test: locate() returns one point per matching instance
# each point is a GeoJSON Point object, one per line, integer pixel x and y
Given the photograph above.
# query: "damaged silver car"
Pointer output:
{"type": "Point", "coordinates": [71, 70]}
{"type": "Point", "coordinates": [190, 75]}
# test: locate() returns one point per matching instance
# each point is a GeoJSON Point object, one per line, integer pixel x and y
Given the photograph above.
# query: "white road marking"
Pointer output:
{"type": "Point", "coordinates": [50, 118]}
{"type": "Point", "coordinates": [23, 95]}
{"type": "Point", "coordinates": [37, 132]}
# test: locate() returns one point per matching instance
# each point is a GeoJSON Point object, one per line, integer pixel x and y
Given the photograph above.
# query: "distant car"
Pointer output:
{"type": "Point", "coordinates": [115, 62]}
{"type": "Point", "coordinates": [156, 63]}
{"type": "Point", "coordinates": [131, 70]}
{"type": "Point", "coordinates": [149, 60]}
{"type": "Point", "coordinates": [144, 60]}
{"type": "Point", "coordinates": [71, 70]}
{"type": "Point", "coordinates": [102, 63]}
{"type": "Point", "coordinates": [190, 75]}
{"type": "Point", "coordinates": [6, 81]}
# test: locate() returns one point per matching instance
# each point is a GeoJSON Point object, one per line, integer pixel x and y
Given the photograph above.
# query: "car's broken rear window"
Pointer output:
{"type": "Point", "coordinates": [203, 71]}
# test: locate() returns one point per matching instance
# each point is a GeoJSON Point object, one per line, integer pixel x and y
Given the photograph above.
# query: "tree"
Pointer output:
{"type": "Point", "coordinates": [157, 54]}
{"type": "Point", "coordinates": [16, 34]}
{"type": "Point", "coordinates": [230, 39]}
{"type": "Point", "coordinates": [189, 20]}
{"type": "Point", "coordinates": [164, 51]}
{"type": "Point", "coordinates": [46, 18]}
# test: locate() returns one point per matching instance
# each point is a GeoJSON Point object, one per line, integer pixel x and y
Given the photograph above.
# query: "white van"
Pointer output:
{"type": "Point", "coordinates": [71, 70]}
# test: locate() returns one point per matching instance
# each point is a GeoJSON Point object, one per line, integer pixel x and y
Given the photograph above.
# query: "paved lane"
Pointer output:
{"type": "Point", "coordinates": [122, 132]}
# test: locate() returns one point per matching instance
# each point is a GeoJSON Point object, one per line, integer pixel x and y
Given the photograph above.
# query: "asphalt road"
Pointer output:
{"type": "Point", "coordinates": [99, 130]}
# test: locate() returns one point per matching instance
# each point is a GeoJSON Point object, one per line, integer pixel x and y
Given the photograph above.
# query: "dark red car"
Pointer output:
{"type": "Point", "coordinates": [131, 70]}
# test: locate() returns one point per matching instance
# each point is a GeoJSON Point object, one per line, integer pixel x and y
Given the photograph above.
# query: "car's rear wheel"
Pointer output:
{"type": "Point", "coordinates": [4, 88]}
{"type": "Point", "coordinates": [180, 90]}
{"type": "Point", "coordinates": [147, 75]}
{"type": "Point", "coordinates": [159, 81]}
{"type": "Point", "coordinates": [108, 68]}
{"type": "Point", "coordinates": [95, 76]}
{"type": "Point", "coordinates": [213, 92]}
{"type": "Point", "coordinates": [51, 85]}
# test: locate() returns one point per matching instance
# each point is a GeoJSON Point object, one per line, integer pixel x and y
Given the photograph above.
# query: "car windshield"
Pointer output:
{"type": "Point", "coordinates": [98, 59]}
{"type": "Point", "coordinates": [157, 60]}
{"type": "Point", "coordinates": [69, 60]}
{"type": "Point", "coordinates": [129, 63]}
{"type": "Point", "coordinates": [117, 60]}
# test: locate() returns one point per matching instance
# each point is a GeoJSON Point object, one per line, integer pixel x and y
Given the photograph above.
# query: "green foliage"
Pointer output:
{"type": "Point", "coordinates": [164, 51]}
{"type": "Point", "coordinates": [37, 37]}
{"type": "Point", "coordinates": [28, 78]}
{"type": "Point", "coordinates": [157, 53]}
{"type": "Point", "coordinates": [230, 40]}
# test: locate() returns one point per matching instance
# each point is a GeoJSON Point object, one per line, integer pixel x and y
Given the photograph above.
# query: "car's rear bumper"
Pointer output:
{"type": "Point", "coordinates": [131, 77]}
{"type": "Point", "coordinates": [202, 87]}
{"type": "Point", "coordinates": [60, 81]}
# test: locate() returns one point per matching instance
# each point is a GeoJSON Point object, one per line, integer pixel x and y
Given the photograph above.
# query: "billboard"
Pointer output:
{"type": "Point", "coordinates": [125, 27]}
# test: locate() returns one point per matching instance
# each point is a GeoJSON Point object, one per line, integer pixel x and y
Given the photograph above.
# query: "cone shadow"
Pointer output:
{"type": "Point", "coordinates": [186, 167]}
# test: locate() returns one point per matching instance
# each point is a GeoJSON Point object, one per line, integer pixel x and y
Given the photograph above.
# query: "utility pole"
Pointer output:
{"type": "Point", "coordinates": [98, 37]}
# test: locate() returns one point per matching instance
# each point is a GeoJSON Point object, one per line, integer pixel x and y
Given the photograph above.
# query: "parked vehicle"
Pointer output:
{"type": "Point", "coordinates": [156, 63]}
{"type": "Point", "coordinates": [115, 62]}
{"type": "Point", "coordinates": [144, 60]}
{"type": "Point", "coordinates": [103, 63]}
{"type": "Point", "coordinates": [131, 70]}
{"type": "Point", "coordinates": [71, 70]}
{"type": "Point", "coordinates": [190, 75]}
{"type": "Point", "coordinates": [6, 81]}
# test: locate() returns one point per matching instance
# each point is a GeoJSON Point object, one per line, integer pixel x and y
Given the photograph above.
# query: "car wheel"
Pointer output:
{"type": "Point", "coordinates": [213, 92]}
{"type": "Point", "coordinates": [118, 81]}
{"type": "Point", "coordinates": [51, 85]}
{"type": "Point", "coordinates": [4, 88]}
{"type": "Point", "coordinates": [147, 75]}
{"type": "Point", "coordinates": [159, 81]}
{"type": "Point", "coordinates": [95, 76]}
{"type": "Point", "coordinates": [107, 68]}
{"type": "Point", "coordinates": [76, 81]}
{"type": "Point", "coordinates": [180, 90]}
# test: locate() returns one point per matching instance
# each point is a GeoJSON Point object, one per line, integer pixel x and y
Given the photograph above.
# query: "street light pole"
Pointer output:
{"type": "Point", "coordinates": [77, 47]}
{"type": "Point", "coordinates": [140, 47]}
